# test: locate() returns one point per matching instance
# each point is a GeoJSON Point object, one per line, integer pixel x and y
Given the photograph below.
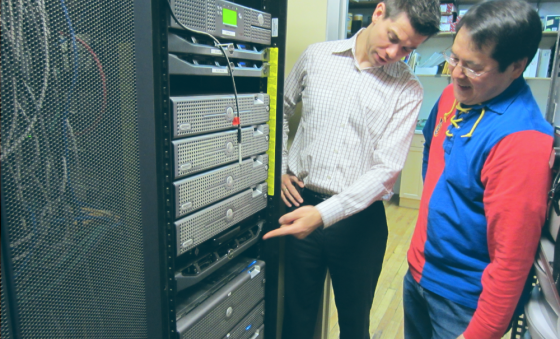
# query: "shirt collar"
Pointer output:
{"type": "Point", "coordinates": [501, 103]}
{"type": "Point", "coordinates": [350, 44]}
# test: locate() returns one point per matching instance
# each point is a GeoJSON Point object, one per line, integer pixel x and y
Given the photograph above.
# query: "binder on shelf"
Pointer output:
{"type": "Point", "coordinates": [552, 23]}
{"type": "Point", "coordinates": [411, 60]}
{"type": "Point", "coordinates": [426, 70]}
{"type": "Point", "coordinates": [432, 65]}
{"type": "Point", "coordinates": [531, 70]}
{"type": "Point", "coordinates": [544, 60]}
{"type": "Point", "coordinates": [446, 70]}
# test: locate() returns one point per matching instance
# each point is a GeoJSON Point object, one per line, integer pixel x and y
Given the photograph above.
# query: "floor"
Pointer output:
{"type": "Point", "coordinates": [386, 317]}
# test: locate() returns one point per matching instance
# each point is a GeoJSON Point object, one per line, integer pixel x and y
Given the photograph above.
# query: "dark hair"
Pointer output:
{"type": "Point", "coordinates": [512, 26]}
{"type": "Point", "coordinates": [424, 15]}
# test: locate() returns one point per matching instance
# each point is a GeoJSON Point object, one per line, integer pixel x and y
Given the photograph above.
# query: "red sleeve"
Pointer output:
{"type": "Point", "coordinates": [517, 177]}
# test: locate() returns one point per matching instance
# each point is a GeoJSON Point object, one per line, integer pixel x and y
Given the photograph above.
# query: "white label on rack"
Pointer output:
{"type": "Point", "coordinates": [226, 32]}
{"type": "Point", "coordinates": [220, 70]}
{"type": "Point", "coordinates": [274, 27]}
{"type": "Point", "coordinates": [215, 51]}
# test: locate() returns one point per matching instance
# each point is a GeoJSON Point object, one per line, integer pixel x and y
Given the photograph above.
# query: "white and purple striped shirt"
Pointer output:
{"type": "Point", "coordinates": [356, 126]}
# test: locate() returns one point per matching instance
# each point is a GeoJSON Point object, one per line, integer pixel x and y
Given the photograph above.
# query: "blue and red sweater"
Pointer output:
{"type": "Point", "coordinates": [483, 203]}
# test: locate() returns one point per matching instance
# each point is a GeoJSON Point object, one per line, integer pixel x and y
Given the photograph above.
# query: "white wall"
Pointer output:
{"type": "Point", "coordinates": [307, 24]}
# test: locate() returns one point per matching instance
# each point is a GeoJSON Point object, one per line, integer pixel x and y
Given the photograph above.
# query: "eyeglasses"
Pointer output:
{"type": "Point", "coordinates": [454, 62]}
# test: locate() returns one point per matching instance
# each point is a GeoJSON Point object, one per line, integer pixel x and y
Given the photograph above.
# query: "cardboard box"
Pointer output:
{"type": "Point", "coordinates": [453, 27]}
{"type": "Point", "coordinates": [445, 27]}
{"type": "Point", "coordinates": [446, 19]}
{"type": "Point", "coordinates": [447, 9]}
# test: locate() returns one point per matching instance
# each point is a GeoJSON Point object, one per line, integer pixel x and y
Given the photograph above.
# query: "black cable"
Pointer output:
{"type": "Point", "coordinates": [217, 43]}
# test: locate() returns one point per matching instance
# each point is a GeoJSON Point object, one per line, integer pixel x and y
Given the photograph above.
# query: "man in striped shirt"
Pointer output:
{"type": "Point", "coordinates": [360, 105]}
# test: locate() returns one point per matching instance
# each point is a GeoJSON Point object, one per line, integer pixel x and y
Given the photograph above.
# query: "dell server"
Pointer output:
{"type": "Point", "coordinates": [221, 301]}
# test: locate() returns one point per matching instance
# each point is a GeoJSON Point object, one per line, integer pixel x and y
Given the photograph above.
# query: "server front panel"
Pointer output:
{"type": "Point", "coordinates": [219, 135]}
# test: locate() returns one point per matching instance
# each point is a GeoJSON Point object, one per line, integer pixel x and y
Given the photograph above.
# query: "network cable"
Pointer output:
{"type": "Point", "coordinates": [39, 177]}
{"type": "Point", "coordinates": [219, 45]}
{"type": "Point", "coordinates": [103, 78]}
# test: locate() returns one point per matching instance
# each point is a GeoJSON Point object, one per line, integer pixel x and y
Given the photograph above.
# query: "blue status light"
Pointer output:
{"type": "Point", "coordinates": [249, 266]}
{"type": "Point", "coordinates": [248, 327]}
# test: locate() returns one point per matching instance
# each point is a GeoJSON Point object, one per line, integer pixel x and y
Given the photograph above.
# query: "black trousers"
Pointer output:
{"type": "Point", "coordinates": [353, 251]}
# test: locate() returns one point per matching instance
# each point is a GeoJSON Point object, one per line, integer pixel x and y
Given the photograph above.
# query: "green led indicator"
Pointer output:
{"type": "Point", "coordinates": [230, 17]}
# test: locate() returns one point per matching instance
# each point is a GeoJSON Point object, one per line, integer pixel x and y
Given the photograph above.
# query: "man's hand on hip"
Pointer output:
{"type": "Point", "coordinates": [299, 223]}
{"type": "Point", "coordinates": [289, 192]}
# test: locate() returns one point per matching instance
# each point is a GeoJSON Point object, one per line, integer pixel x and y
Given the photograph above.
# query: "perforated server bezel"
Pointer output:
{"type": "Point", "coordinates": [250, 325]}
{"type": "Point", "coordinates": [203, 225]}
{"type": "Point", "coordinates": [203, 189]}
{"type": "Point", "coordinates": [202, 152]}
{"type": "Point", "coordinates": [219, 313]}
{"type": "Point", "coordinates": [206, 15]}
{"type": "Point", "coordinates": [194, 115]}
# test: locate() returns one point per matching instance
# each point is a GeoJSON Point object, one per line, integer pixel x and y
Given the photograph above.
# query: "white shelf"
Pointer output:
{"type": "Point", "coordinates": [470, 2]}
{"type": "Point", "coordinates": [452, 34]}
{"type": "Point", "coordinates": [444, 76]}
{"type": "Point", "coordinates": [444, 35]}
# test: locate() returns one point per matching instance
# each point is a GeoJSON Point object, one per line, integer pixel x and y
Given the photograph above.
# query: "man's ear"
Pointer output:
{"type": "Point", "coordinates": [378, 13]}
{"type": "Point", "coordinates": [518, 68]}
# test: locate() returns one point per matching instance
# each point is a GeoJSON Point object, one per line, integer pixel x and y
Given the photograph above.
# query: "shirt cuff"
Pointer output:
{"type": "Point", "coordinates": [284, 165]}
{"type": "Point", "coordinates": [331, 211]}
{"type": "Point", "coordinates": [475, 330]}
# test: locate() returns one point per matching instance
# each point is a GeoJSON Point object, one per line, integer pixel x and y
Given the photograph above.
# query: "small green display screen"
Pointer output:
{"type": "Point", "coordinates": [230, 17]}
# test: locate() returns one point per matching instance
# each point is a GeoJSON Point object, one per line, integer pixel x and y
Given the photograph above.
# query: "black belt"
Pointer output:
{"type": "Point", "coordinates": [312, 196]}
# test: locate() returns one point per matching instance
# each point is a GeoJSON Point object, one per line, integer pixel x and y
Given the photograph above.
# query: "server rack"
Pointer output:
{"type": "Point", "coordinates": [125, 270]}
{"type": "Point", "coordinates": [238, 195]}
{"type": "Point", "coordinates": [80, 237]}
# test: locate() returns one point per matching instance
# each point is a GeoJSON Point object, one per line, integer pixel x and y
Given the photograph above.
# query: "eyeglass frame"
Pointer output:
{"type": "Point", "coordinates": [466, 70]}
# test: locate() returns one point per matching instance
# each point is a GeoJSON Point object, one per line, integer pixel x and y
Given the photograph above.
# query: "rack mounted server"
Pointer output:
{"type": "Point", "coordinates": [218, 186]}
{"type": "Point", "coordinates": [194, 115]}
{"type": "Point", "coordinates": [224, 19]}
{"type": "Point", "coordinates": [222, 301]}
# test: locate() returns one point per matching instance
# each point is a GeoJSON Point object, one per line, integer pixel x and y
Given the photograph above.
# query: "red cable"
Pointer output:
{"type": "Point", "coordinates": [103, 85]}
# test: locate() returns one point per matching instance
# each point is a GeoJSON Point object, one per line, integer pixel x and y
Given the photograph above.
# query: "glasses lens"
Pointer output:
{"type": "Point", "coordinates": [470, 73]}
{"type": "Point", "coordinates": [451, 60]}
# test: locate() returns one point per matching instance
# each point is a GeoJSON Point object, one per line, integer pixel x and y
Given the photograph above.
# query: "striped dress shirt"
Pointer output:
{"type": "Point", "coordinates": [355, 129]}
